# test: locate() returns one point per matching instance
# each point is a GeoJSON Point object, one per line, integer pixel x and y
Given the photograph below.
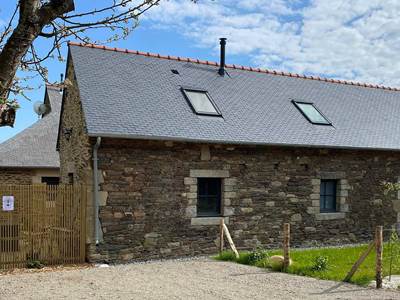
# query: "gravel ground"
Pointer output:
{"type": "Point", "coordinates": [177, 279]}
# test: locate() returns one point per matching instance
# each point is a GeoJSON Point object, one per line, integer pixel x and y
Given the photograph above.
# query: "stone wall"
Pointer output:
{"type": "Point", "coordinates": [74, 144]}
{"type": "Point", "coordinates": [15, 176]}
{"type": "Point", "coordinates": [149, 194]}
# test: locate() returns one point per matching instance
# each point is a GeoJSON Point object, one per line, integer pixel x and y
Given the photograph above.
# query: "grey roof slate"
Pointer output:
{"type": "Point", "coordinates": [35, 147]}
{"type": "Point", "coordinates": [136, 96]}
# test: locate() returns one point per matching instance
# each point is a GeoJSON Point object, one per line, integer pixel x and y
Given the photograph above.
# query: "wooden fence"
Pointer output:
{"type": "Point", "coordinates": [41, 223]}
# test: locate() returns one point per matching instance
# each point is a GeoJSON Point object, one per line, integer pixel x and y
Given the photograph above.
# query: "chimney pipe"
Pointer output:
{"type": "Point", "coordinates": [221, 70]}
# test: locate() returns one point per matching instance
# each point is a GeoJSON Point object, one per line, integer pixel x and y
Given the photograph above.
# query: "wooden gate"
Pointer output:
{"type": "Point", "coordinates": [44, 223]}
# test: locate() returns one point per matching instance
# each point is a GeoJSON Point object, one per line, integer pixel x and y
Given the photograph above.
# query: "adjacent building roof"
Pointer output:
{"type": "Point", "coordinates": [136, 95]}
{"type": "Point", "coordinates": [35, 147]}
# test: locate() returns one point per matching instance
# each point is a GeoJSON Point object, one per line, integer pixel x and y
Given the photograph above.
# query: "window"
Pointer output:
{"type": "Point", "coordinates": [70, 178]}
{"type": "Point", "coordinates": [312, 113]}
{"type": "Point", "coordinates": [51, 180]}
{"type": "Point", "coordinates": [209, 196]}
{"type": "Point", "coordinates": [328, 195]}
{"type": "Point", "coordinates": [201, 102]}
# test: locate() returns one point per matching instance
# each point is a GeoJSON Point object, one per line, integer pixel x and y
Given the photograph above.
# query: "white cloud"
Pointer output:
{"type": "Point", "coordinates": [350, 39]}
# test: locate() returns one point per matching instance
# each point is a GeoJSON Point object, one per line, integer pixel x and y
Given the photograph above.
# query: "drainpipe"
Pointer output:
{"type": "Point", "coordinates": [96, 190]}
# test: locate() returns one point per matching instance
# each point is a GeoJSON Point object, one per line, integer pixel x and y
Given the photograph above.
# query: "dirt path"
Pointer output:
{"type": "Point", "coordinates": [178, 279]}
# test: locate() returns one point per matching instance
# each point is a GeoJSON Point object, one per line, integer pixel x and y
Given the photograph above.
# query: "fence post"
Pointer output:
{"type": "Point", "coordinates": [286, 245]}
{"type": "Point", "coordinates": [221, 235]}
{"type": "Point", "coordinates": [379, 250]}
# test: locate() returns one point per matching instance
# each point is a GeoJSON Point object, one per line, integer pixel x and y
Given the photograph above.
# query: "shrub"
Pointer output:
{"type": "Point", "coordinates": [244, 258]}
{"type": "Point", "coordinates": [34, 264]}
{"type": "Point", "coordinates": [226, 256]}
{"type": "Point", "coordinates": [320, 263]}
{"type": "Point", "coordinates": [257, 255]}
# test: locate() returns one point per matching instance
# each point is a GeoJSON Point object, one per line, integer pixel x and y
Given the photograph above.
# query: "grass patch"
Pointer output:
{"type": "Point", "coordinates": [322, 263]}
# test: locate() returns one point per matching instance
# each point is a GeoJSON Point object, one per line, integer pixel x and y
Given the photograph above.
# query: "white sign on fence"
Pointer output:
{"type": "Point", "coordinates": [8, 203]}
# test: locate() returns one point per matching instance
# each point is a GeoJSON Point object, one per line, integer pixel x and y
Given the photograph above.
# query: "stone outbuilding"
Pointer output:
{"type": "Point", "coordinates": [168, 146]}
{"type": "Point", "coordinates": [31, 157]}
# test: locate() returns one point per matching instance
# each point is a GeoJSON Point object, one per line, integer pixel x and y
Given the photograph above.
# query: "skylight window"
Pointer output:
{"type": "Point", "coordinates": [201, 102]}
{"type": "Point", "coordinates": [312, 113]}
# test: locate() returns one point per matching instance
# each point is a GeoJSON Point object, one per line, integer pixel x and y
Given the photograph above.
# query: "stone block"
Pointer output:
{"type": "Point", "coordinates": [315, 196]}
{"type": "Point", "coordinates": [165, 251]}
{"type": "Point", "coordinates": [119, 215]}
{"type": "Point", "coordinates": [190, 181]}
{"type": "Point", "coordinates": [209, 173]}
{"type": "Point", "coordinates": [230, 194]}
{"type": "Point", "coordinates": [310, 229]}
{"type": "Point", "coordinates": [103, 198]}
{"type": "Point", "coordinates": [312, 210]}
{"type": "Point", "coordinates": [229, 211]}
{"type": "Point", "coordinates": [174, 245]}
{"type": "Point", "coordinates": [296, 218]}
{"type": "Point", "coordinates": [191, 211]}
{"type": "Point", "coordinates": [276, 183]}
{"type": "Point", "coordinates": [246, 210]}
{"type": "Point", "coordinates": [208, 221]}
{"type": "Point", "coordinates": [247, 201]}
{"type": "Point", "coordinates": [315, 203]}
{"type": "Point", "coordinates": [205, 153]}
{"type": "Point", "coordinates": [230, 181]}
{"type": "Point", "coordinates": [191, 195]}
{"type": "Point", "coordinates": [330, 216]}
{"type": "Point", "coordinates": [316, 182]}
{"type": "Point", "coordinates": [228, 188]}
{"type": "Point", "coordinates": [270, 203]}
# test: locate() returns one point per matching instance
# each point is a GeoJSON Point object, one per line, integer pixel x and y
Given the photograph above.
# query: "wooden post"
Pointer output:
{"type": "Point", "coordinates": [286, 245]}
{"type": "Point", "coordinates": [359, 262]}
{"type": "Point", "coordinates": [228, 237]}
{"type": "Point", "coordinates": [221, 235]}
{"type": "Point", "coordinates": [379, 252]}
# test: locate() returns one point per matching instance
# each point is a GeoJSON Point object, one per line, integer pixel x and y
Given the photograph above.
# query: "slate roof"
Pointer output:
{"type": "Point", "coordinates": [35, 147]}
{"type": "Point", "coordinates": [130, 94]}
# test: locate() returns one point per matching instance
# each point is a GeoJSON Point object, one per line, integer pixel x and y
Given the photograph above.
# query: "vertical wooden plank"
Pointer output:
{"type": "Point", "coordinates": [221, 235]}
{"type": "Point", "coordinates": [83, 222]}
{"type": "Point", "coordinates": [286, 245]}
{"type": "Point", "coordinates": [379, 255]}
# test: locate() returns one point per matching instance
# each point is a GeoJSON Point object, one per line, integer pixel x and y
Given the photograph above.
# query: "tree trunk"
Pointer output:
{"type": "Point", "coordinates": [13, 52]}
{"type": "Point", "coordinates": [32, 19]}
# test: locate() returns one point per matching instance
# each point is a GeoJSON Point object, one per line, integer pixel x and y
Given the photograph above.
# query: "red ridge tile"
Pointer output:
{"type": "Point", "coordinates": [233, 66]}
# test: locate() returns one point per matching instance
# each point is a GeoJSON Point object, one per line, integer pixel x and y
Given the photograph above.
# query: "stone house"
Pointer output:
{"type": "Point", "coordinates": [31, 156]}
{"type": "Point", "coordinates": [169, 145]}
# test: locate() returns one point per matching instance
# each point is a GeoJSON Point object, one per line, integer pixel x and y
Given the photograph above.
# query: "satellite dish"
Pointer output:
{"type": "Point", "coordinates": [40, 108]}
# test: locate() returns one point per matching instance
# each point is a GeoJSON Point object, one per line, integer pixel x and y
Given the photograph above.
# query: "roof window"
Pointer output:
{"type": "Point", "coordinates": [312, 114]}
{"type": "Point", "coordinates": [201, 102]}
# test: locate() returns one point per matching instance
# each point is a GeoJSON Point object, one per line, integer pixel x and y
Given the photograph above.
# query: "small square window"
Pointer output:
{"type": "Point", "coordinates": [328, 195]}
{"type": "Point", "coordinates": [201, 102]}
{"type": "Point", "coordinates": [51, 180]}
{"type": "Point", "coordinates": [209, 197]}
{"type": "Point", "coordinates": [312, 114]}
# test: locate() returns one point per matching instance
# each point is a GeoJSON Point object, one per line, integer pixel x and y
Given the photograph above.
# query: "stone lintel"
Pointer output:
{"type": "Point", "coordinates": [330, 216]}
{"type": "Point", "coordinates": [209, 173]}
{"type": "Point", "coordinates": [201, 221]}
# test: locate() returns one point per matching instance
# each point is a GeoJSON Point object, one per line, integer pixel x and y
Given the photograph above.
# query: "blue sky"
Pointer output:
{"type": "Point", "coordinates": [348, 39]}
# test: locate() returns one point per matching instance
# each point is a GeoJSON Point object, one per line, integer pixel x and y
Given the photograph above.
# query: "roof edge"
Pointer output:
{"type": "Point", "coordinates": [237, 67]}
{"type": "Point", "coordinates": [180, 139]}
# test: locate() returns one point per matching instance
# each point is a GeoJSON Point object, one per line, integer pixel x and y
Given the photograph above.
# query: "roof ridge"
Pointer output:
{"type": "Point", "coordinates": [237, 67]}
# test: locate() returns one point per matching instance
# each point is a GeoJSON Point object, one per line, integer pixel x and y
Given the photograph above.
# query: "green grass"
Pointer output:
{"type": "Point", "coordinates": [340, 261]}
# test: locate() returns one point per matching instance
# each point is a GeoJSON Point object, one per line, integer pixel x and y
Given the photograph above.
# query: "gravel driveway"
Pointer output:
{"type": "Point", "coordinates": [177, 279]}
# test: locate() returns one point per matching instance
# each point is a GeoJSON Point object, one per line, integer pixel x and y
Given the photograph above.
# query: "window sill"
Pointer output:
{"type": "Point", "coordinates": [201, 221]}
{"type": "Point", "coordinates": [330, 216]}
